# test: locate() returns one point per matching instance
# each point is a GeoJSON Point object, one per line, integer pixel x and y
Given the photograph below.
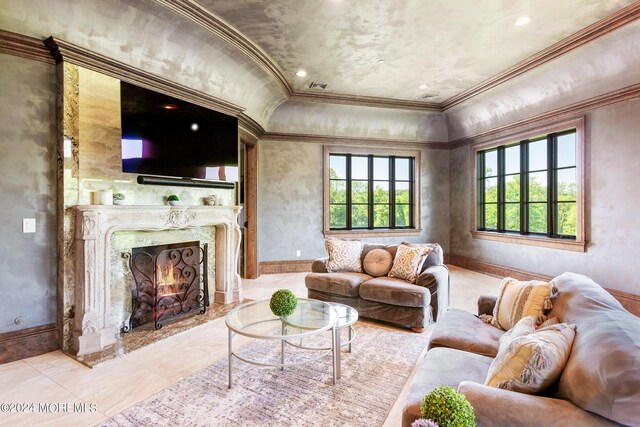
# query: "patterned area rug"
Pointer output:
{"type": "Point", "coordinates": [373, 376]}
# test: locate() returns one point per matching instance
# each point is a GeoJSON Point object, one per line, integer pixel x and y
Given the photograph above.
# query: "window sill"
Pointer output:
{"type": "Point", "coordinates": [567, 245]}
{"type": "Point", "coordinates": [373, 233]}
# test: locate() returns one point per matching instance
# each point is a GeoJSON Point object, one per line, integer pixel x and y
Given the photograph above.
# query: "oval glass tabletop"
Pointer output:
{"type": "Point", "coordinates": [255, 319]}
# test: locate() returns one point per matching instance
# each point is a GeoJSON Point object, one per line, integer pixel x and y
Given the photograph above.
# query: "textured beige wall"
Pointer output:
{"type": "Point", "coordinates": [27, 188]}
{"type": "Point", "coordinates": [290, 200]}
{"type": "Point", "coordinates": [606, 64]}
{"type": "Point", "coordinates": [148, 36]}
{"type": "Point", "coordinates": [613, 225]}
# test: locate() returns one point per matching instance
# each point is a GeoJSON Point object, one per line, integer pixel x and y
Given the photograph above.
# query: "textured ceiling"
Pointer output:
{"type": "Point", "coordinates": [449, 45]}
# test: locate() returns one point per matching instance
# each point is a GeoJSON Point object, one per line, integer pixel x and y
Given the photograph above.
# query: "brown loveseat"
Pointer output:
{"type": "Point", "coordinates": [600, 384]}
{"type": "Point", "coordinates": [386, 298]}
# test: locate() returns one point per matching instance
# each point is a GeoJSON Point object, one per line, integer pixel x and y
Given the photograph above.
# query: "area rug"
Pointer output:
{"type": "Point", "coordinates": [373, 376]}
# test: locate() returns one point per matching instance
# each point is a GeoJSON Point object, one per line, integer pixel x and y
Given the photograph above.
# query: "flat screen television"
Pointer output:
{"type": "Point", "coordinates": [165, 136]}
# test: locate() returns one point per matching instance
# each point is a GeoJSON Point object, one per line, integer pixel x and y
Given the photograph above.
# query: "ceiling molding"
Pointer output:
{"type": "Point", "coordinates": [559, 114]}
{"type": "Point", "coordinates": [24, 47]}
{"type": "Point", "coordinates": [64, 51]}
{"type": "Point", "coordinates": [250, 130]}
{"type": "Point", "coordinates": [351, 141]}
{"type": "Point", "coordinates": [192, 11]}
{"type": "Point", "coordinates": [365, 101]}
{"type": "Point", "coordinates": [574, 41]}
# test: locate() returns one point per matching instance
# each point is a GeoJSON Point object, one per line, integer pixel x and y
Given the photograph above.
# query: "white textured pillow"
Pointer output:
{"type": "Point", "coordinates": [344, 255]}
{"type": "Point", "coordinates": [520, 299]}
{"type": "Point", "coordinates": [408, 262]}
{"type": "Point", "coordinates": [530, 363]}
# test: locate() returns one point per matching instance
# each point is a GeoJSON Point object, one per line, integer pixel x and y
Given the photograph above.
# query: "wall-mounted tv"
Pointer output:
{"type": "Point", "coordinates": [165, 136]}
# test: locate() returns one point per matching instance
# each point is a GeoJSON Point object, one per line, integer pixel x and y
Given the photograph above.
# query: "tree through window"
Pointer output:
{"type": "Point", "coordinates": [370, 192]}
{"type": "Point", "coordinates": [529, 187]}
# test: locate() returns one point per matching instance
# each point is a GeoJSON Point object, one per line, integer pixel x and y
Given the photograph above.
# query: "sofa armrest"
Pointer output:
{"type": "Point", "coordinates": [439, 288]}
{"type": "Point", "coordinates": [486, 303]}
{"type": "Point", "coordinates": [319, 265]}
{"type": "Point", "coordinates": [498, 407]}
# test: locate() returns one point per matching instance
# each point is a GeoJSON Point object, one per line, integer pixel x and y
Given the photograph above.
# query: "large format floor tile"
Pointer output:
{"type": "Point", "coordinates": [118, 384]}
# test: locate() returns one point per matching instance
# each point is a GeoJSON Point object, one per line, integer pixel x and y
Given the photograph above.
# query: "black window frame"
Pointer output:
{"type": "Point", "coordinates": [551, 171]}
{"type": "Point", "coordinates": [392, 181]}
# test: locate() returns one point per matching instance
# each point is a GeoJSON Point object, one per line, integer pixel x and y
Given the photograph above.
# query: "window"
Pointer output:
{"type": "Point", "coordinates": [370, 192]}
{"type": "Point", "coordinates": [532, 188]}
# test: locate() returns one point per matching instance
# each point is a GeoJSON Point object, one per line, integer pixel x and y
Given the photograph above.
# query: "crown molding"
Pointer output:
{"type": "Point", "coordinates": [24, 47]}
{"type": "Point", "coordinates": [559, 114]}
{"type": "Point", "coordinates": [64, 51]}
{"type": "Point", "coordinates": [250, 130]}
{"type": "Point", "coordinates": [566, 45]}
{"type": "Point", "coordinates": [197, 14]}
{"type": "Point", "coordinates": [365, 101]}
{"type": "Point", "coordinates": [351, 141]}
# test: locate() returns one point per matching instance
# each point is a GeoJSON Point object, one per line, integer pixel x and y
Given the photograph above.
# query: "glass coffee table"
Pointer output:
{"type": "Point", "coordinates": [256, 320]}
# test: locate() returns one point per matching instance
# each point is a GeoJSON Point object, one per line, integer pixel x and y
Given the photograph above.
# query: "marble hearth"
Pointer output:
{"type": "Point", "coordinates": [94, 326]}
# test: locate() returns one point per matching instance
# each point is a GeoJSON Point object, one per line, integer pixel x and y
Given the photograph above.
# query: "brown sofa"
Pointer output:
{"type": "Point", "coordinates": [386, 298]}
{"type": "Point", "coordinates": [600, 385]}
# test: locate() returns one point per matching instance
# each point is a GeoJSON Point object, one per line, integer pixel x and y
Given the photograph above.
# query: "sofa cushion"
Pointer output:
{"type": "Point", "coordinates": [462, 330]}
{"type": "Point", "coordinates": [377, 262]}
{"type": "Point", "coordinates": [533, 361]}
{"type": "Point", "coordinates": [393, 291]}
{"type": "Point", "coordinates": [602, 374]}
{"type": "Point", "coordinates": [344, 255]}
{"type": "Point", "coordinates": [442, 366]}
{"type": "Point", "coordinates": [408, 262]}
{"type": "Point", "coordinates": [519, 299]}
{"type": "Point", "coordinates": [345, 284]}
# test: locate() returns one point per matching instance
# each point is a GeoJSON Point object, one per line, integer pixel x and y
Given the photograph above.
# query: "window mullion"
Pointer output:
{"type": "Point", "coordinates": [551, 183]}
{"type": "Point", "coordinates": [392, 192]}
{"type": "Point", "coordinates": [411, 184]}
{"type": "Point", "coordinates": [348, 198]}
{"type": "Point", "coordinates": [370, 192]}
{"type": "Point", "coordinates": [524, 187]}
{"type": "Point", "coordinates": [501, 191]}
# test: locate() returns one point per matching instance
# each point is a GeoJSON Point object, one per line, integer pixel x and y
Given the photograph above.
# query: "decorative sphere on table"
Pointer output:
{"type": "Point", "coordinates": [448, 408]}
{"type": "Point", "coordinates": [283, 302]}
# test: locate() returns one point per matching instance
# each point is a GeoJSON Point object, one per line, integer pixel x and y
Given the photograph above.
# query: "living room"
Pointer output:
{"type": "Point", "coordinates": [379, 123]}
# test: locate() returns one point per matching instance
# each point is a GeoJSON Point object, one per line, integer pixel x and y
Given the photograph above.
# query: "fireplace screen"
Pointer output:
{"type": "Point", "coordinates": [169, 281]}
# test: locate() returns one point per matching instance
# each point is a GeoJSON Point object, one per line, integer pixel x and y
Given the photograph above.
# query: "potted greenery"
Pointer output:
{"type": "Point", "coordinates": [174, 200]}
{"type": "Point", "coordinates": [283, 303]}
{"type": "Point", "coordinates": [448, 408]}
{"type": "Point", "coordinates": [118, 199]}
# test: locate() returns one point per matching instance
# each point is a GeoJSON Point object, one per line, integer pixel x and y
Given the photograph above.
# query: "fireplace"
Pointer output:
{"type": "Point", "coordinates": [169, 282]}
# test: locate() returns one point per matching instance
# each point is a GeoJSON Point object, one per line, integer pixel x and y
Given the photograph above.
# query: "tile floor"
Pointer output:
{"type": "Point", "coordinates": [113, 386]}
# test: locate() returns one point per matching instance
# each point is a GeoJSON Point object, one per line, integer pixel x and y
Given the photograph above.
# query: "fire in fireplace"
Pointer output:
{"type": "Point", "coordinates": [169, 281]}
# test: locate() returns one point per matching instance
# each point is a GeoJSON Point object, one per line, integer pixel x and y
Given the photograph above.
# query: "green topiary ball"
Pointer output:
{"type": "Point", "coordinates": [283, 302]}
{"type": "Point", "coordinates": [448, 408]}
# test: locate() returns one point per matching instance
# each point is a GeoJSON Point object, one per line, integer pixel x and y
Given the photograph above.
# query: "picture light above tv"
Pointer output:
{"type": "Point", "coordinates": [168, 137]}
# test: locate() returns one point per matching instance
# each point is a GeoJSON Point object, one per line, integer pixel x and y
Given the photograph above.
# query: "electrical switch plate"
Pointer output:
{"type": "Point", "coordinates": [28, 225]}
{"type": "Point", "coordinates": [298, 253]}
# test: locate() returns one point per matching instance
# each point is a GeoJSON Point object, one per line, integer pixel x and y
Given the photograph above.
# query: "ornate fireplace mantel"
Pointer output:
{"type": "Point", "coordinates": [94, 329]}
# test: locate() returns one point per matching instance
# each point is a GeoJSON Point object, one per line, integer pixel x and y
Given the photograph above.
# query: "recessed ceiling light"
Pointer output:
{"type": "Point", "coordinates": [522, 21]}
{"type": "Point", "coordinates": [380, 61]}
{"type": "Point", "coordinates": [423, 86]}
{"type": "Point", "coordinates": [301, 73]}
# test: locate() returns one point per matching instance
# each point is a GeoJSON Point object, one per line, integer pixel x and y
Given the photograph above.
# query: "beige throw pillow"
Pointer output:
{"type": "Point", "coordinates": [530, 363]}
{"type": "Point", "coordinates": [344, 255]}
{"type": "Point", "coordinates": [525, 326]}
{"type": "Point", "coordinates": [520, 299]}
{"type": "Point", "coordinates": [377, 262]}
{"type": "Point", "coordinates": [408, 262]}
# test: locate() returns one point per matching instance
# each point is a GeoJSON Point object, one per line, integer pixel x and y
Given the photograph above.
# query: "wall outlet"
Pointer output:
{"type": "Point", "coordinates": [28, 225]}
{"type": "Point", "coordinates": [298, 253]}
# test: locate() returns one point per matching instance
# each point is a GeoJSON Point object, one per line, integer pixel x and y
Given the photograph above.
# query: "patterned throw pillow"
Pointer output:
{"type": "Point", "coordinates": [408, 262]}
{"type": "Point", "coordinates": [525, 326]}
{"type": "Point", "coordinates": [377, 262]}
{"type": "Point", "coordinates": [344, 255]}
{"type": "Point", "coordinates": [532, 362]}
{"type": "Point", "coordinates": [520, 299]}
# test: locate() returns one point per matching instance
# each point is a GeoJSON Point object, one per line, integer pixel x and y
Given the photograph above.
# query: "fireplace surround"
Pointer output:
{"type": "Point", "coordinates": [94, 326]}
